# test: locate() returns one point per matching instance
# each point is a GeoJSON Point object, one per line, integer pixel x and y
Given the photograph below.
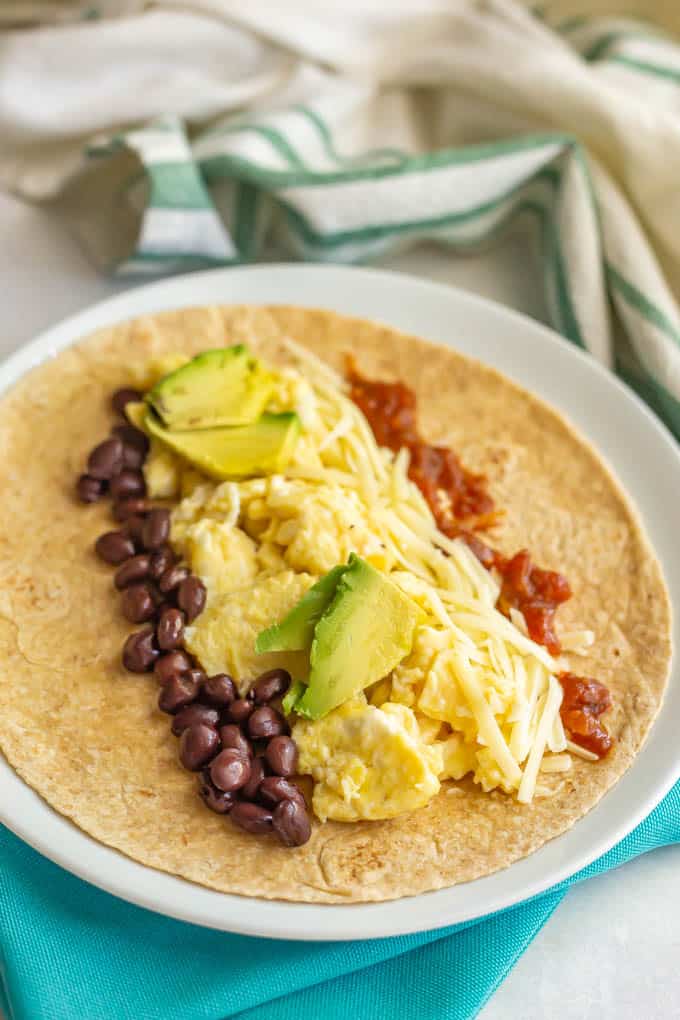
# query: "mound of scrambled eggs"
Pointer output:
{"type": "Point", "coordinates": [368, 762]}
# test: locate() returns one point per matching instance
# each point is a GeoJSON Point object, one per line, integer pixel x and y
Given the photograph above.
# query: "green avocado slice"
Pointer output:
{"type": "Point", "coordinates": [263, 447]}
{"type": "Point", "coordinates": [295, 692]}
{"type": "Point", "coordinates": [364, 633]}
{"type": "Point", "coordinates": [226, 386]}
{"type": "Point", "coordinates": [296, 631]}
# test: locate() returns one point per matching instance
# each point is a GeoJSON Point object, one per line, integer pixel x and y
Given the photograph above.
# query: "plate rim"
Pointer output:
{"type": "Point", "coordinates": [179, 898]}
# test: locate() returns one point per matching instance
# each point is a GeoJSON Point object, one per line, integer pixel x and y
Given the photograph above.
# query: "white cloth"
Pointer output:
{"type": "Point", "coordinates": [178, 134]}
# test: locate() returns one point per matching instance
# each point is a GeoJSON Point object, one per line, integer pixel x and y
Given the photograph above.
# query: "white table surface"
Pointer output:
{"type": "Point", "coordinates": [611, 950]}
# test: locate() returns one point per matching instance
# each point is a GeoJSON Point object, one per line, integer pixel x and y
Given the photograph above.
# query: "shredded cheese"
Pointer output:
{"type": "Point", "coordinates": [577, 641]}
{"type": "Point", "coordinates": [553, 700]}
{"type": "Point", "coordinates": [556, 763]}
{"type": "Point", "coordinates": [518, 619]}
{"type": "Point", "coordinates": [581, 752]}
{"type": "Point", "coordinates": [488, 727]}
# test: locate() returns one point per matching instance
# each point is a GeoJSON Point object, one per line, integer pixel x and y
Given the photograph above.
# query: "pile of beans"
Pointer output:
{"type": "Point", "coordinates": [243, 750]}
{"type": "Point", "coordinates": [240, 745]}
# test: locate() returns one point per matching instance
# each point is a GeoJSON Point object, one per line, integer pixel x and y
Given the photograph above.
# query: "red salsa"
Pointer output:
{"type": "Point", "coordinates": [536, 593]}
{"type": "Point", "coordinates": [462, 507]}
{"type": "Point", "coordinates": [457, 497]}
{"type": "Point", "coordinates": [584, 701]}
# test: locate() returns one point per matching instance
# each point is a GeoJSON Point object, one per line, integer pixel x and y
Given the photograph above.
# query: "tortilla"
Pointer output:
{"type": "Point", "coordinates": [87, 736]}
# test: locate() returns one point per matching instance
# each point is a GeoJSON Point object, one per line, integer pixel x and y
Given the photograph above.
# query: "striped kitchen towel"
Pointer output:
{"type": "Point", "coordinates": [185, 134]}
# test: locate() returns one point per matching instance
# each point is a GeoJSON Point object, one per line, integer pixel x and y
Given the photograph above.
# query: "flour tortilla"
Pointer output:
{"type": "Point", "coordinates": [88, 736]}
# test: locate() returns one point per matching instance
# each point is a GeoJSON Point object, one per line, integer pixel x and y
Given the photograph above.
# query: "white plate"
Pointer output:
{"type": "Point", "coordinates": [642, 453]}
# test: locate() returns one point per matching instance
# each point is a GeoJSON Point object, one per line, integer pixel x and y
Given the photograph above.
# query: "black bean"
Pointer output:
{"type": "Point", "coordinates": [194, 713]}
{"type": "Point", "coordinates": [282, 756]}
{"type": "Point", "coordinates": [114, 547]}
{"type": "Point", "coordinates": [133, 506]}
{"type": "Point", "coordinates": [161, 560]}
{"type": "Point", "coordinates": [133, 570]}
{"type": "Point", "coordinates": [133, 458]}
{"type": "Point", "coordinates": [266, 722]}
{"type": "Point", "coordinates": [90, 489]}
{"type": "Point", "coordinates": [128, 484]}
{"type": "Point", "coordinates": [106, 459]}
{"type": "Point", "coordinates": [291, 823]}
{"type": "Point", "coordinates": [156, 529]}
{"type": "Point", "coordinates": [173, 664]}
{"type": "Point", "coordinates": [132, 436]}
{"type": "Point", "coordinates": [230, 770]}
{"type": "Point", "coordinates": [219, 690]}
{"type": "Point", "coordinates": [177, 693]}
{"type": "Point", "coordinates": [172, 578]}
{"type": "Point", "coordinates": [239, 710]}
{"type": "Point", "coordinates": [252, 817]}
{"type": "Point", "coordinates": [170, 629]}
{"type": "Point", "coordinates": [274, 789]}
{"type": "Point", "coordinates": [217, 800]}
{"type": "Point", "coordinates": [134, 526]}
{"type": "Point", "coordinates": [232, 736]}
{"type": "Point", "coordinates": [197, 745]}
{"type": "Point", "coordinates": [271, 684]}
{"type": "Point", "coordinates": [258, 772]}
{"type": "Point", "coordinates": [138, 604]}
{"type": "Point", "coordinates": [139, 651]}
{"type": "Point", "coordinates": [125, 395]}
{"type": "Point", "coordinates": [197, 675]}
{"type": "Point", "coordinates": [191, 597]}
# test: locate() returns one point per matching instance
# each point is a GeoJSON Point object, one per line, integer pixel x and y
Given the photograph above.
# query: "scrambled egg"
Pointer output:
{"type": "Point", "coordinates": [223, 636]}
{"type": "Point", "coordinates": [458, 757]}
{"type": "Point", "coordinates": [206, 502]}
{"type": "Point", "coordinates": [408, 679]}
{"type": "Point", "coordinates": [314, 527]}
{"type": "Point", "coordinates": [223, 556]}
{"type": "Point", "coordinates": [296, 523]}
{"type": "Point", "coordinates": [367, 762]}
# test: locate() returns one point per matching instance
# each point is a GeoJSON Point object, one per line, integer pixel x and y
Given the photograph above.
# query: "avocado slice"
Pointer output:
{"type": "Point", "coordinates": [364, 633]}
{"type": "Point", "coordinates": [226, 386]}
{"type": "Point", "coordinates": [264, 447]}
{"type": "Point", "coordinates": [296, 631]}
{"type": "Point", "coordinates": [295, 692]}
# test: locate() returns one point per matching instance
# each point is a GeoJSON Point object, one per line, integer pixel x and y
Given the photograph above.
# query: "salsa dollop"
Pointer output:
{"type": "Point", "coordinates": [457, 498]}
{"type": "Point", "coordinates": [584, 701]}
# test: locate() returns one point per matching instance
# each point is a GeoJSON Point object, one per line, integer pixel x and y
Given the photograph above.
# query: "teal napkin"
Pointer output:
{"type": "Point", "coordinates": [71, 952]}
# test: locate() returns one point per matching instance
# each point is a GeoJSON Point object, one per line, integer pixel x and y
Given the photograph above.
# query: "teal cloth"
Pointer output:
{"type": "Point", "coordinates": [72, 952]}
